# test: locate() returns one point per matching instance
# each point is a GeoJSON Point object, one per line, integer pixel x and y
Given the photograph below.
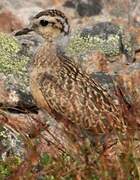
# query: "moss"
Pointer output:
{"type": "Point", "coordinates": [94, 177]}
{"type": "Point", "coordinates": [4, 170]}
{"type": "Point", "coordinates": [45, 159]}
{"type": "Point", "coordinates": [7, 166]}
{"type": "Point", "coordinates": [11, 60]}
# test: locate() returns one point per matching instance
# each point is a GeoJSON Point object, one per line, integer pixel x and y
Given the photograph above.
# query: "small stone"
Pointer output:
{"type": "Point", "coordinates": [9, 22]}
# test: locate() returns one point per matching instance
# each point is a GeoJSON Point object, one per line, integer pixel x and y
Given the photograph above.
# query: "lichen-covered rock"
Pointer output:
{"type": "Point", "coordinates": [12, 63]}
{"type": "Point", "coordinates": [105, 37]}
{"type": "Point", "coordinates": [15, 60]}
{"type": "Point", "coordinates": [10, 142]}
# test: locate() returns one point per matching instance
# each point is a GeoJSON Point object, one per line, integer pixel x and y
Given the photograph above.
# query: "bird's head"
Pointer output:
{"type": "Point", "coordinates": [50, 24]}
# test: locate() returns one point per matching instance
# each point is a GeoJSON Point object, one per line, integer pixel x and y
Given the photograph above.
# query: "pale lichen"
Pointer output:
{"type": "Point", "coordinates": [78, 45]}
{"type": "Point", "coordinates": [11, 60]}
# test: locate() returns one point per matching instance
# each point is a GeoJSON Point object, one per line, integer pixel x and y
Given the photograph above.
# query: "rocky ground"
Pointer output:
{"type": "Point", "coordinates": [35, 146]}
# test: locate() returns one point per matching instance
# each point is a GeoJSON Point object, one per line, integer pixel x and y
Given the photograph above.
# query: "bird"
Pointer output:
{"type": "Point", "coordinates": [61, 87]}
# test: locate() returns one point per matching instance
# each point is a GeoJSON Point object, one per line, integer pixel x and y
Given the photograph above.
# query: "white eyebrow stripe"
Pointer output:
{"type": "Point", "coordinates": [62, 21]}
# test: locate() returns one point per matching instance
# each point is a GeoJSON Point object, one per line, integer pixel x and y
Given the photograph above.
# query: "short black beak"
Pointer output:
{"type": "Point", "coordinates": [23, 31]}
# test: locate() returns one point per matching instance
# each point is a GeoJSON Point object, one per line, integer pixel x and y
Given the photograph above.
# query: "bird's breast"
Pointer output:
{"type": "Point", "coordinates": [35, 88]}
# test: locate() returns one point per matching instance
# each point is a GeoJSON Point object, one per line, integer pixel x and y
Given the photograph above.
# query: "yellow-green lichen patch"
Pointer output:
{"type": "Point", "coordinates": [8, 44]}
{"type": "Point", "coordinates": [83, 45]}
{"type": "Point", "coordinates": [110, 46]}
{"type": "Point", "coordinates": [11, 60]}
{"type": "Point", "coordinates": [79, 45]}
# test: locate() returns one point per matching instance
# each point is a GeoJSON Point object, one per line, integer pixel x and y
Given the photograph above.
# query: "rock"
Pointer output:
{"type": "Point", "coordinates": [129, 80]}
{"type": "Point", "coordinates": [69, 4]}
{"type": "Point", "coordinates": [85, 8]}
{"type": "Point", "coordinates": [26, 13]}
{"type": "Point", "coordinates": [135, 14]}
{"type": "Point", "coordinates": [94, 62]}
{"type": "Point", "coordinates": [118, 8]}
{"type": "Point", "coordinates": [9, 21]}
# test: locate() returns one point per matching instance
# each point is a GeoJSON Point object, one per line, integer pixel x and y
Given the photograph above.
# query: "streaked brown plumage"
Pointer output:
{"type": "Point", "coordinates": [62, 88]}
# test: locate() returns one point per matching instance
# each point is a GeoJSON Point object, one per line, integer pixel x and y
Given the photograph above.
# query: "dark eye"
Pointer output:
{"type": "Point", "coordinates": [44, 22]}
